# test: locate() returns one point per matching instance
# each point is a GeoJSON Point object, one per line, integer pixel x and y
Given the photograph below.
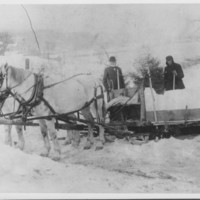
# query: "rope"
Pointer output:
{"type": "Point", "coordinates": [49, 86]}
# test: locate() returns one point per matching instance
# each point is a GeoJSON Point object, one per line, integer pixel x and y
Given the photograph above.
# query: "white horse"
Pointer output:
{"type": "Point", "coordinates": [66, 97]}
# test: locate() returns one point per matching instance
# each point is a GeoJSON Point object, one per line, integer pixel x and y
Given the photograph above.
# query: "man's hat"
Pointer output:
{"type": "Point", "coordinates": [169, 58]}
{"type": "Point", "coordinates": [112, 59]}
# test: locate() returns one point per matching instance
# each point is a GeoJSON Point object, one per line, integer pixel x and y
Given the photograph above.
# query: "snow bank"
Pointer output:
{"type": "Point", "coordinates": [168, 165]}
{"type": "Point", "coordinates": [165, 153]}
{"type": "Point", "coordinates": [22, 172]}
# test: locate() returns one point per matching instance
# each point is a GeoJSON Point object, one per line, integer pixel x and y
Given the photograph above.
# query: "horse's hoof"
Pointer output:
{"type": "Point", "coordinates": [67, 142]}
{"type": "Point", "coordinates": [88, 145]}
{"type": "Point", "coordinates": [20, 147]}
{"type": "Point", "coordinates": [9, 143]}
{"type": "Point", "coordinates": [56, 158]}
{"type": "Point", "coordinates": [45, 153]}
{"type": "Point", "coordinates": [75, 144]}
{"type": "Point", "coordinates": [99, 146]}
{"type": "Point", "coordinates": [110, 138]}
{"type": "Point", "coordinates": [56, 155]}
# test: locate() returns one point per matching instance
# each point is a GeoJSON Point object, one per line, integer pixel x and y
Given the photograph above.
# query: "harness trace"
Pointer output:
{"type": "Point", "coordinates": [25, 107]}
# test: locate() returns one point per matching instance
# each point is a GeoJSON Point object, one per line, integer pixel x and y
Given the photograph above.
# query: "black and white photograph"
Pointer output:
{"type": "Point", "coordinates": [100, 98]}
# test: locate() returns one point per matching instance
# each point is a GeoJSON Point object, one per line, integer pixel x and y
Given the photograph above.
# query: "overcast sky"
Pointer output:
{"type": "Point", "coordinates": [139, 22]}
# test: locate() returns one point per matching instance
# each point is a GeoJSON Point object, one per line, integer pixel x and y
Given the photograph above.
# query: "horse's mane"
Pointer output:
{"type": "Point", "coordinates": [18, 75]}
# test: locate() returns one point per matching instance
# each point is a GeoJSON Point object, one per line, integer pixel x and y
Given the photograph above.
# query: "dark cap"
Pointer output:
{"type": "Point", "coordinates": [112, 59]}
{"type": "Point", "coordinates": [169, 58]}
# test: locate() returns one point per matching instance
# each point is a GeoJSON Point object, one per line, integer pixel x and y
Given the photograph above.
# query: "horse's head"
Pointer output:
{"type": "Point", "coordinates": [3, 75]}
{"type": "Point", "coordinates": [4, 90]}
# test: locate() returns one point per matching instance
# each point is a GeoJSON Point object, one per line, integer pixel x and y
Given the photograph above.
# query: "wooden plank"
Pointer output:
{"type": "Point", "coordinates": [142, 100]}
{"type": "Point", "coordinates": [71, 126]}
{"type": "Point", "coordinates": [58, 126]}
{"type": "Point", "coordinates": [178, 122]}
{"type": "Point", "coordinates": [10, 122]}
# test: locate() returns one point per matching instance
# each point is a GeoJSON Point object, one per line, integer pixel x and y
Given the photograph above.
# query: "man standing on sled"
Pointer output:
{"type": "Point", "coordinates": [113, 78]}
{"type": "Point", "coordinates": [173, 75]}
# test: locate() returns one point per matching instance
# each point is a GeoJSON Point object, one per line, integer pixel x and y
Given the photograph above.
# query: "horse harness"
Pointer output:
{"type": "Point", "coordinates": [25, 106]}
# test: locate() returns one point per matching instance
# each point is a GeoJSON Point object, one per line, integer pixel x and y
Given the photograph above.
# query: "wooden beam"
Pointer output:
{"type": "Point", "coordinates": [10, 122]}
{"type": "Point", "coordinates": [142, 100]}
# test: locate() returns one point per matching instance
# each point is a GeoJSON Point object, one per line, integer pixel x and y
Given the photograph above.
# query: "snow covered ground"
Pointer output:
{"type": "Point", "coordinates": [168, 166]}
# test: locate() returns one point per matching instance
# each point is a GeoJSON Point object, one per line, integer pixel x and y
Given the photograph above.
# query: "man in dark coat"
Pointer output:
{"type": "Point", "coordinates": [113, 78]}
{"type": "Point", "coordinates": [173, 75]}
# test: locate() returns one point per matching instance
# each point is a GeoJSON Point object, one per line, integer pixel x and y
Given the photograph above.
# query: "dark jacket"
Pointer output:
{"type": "Point", "coordinates": [168, 76]}
{"type": "Point", "coordinates": [110, 78]}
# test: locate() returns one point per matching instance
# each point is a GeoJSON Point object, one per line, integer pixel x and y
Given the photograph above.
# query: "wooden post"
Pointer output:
{"type": "Point", "coordinates": [27, 64]}
{"type": "Point", "coordinates": [174, 83]}
{"type": "Point", "coordinates": [151, 88]}
{"type": "Point", "coordinates": [142, 101]}
{"type": "Point", "coordinates": [118, 84]}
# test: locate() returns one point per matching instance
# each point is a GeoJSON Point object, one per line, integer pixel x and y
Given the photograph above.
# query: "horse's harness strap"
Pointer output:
{"type": "Point", "coordinates": [25, 106]}
{"type": "Point", "coordinates": [48, 105]}
{"type": "Point", "coordinates": [94, 99]}
{"type": "Point", "coordinates": [67, 79]}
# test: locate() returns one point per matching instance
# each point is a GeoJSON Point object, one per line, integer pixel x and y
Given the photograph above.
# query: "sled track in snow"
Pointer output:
{"type": "Point", "coordinates": [160, 175]}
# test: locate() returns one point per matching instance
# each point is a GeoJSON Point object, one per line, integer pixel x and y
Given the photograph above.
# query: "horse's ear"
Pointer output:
{"type": "Point", "coordinates": [6, 67]}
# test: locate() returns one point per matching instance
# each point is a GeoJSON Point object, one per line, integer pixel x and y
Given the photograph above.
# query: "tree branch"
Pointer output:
{"type": "Point", "coordinates": [31, 27]}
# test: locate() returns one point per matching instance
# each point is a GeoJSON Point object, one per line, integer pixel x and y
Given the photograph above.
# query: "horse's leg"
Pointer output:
{"type": "Point", "coordinates": [90, 138]}
{"type": "Point", "coordinates": [101, 139]}
{"type": "Point", "coordinates": [101, 112]}
{"type": "Point", "coordinates": [44, 132]}
{"type": "Point", "coordinates": [53, 137]}
{"type": "Point", "coordinates": [76, 138]}
{"type": "Point", "coordinates": [69, 137]}
{"type": "Point", "coordinates": [73, 137]}
{"type": "Point", "coordinates": [88, 116]}
{"type": "Point", "coordinates": [21, 141]}
{"type": "Point", "coordinates": [8, 138]}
